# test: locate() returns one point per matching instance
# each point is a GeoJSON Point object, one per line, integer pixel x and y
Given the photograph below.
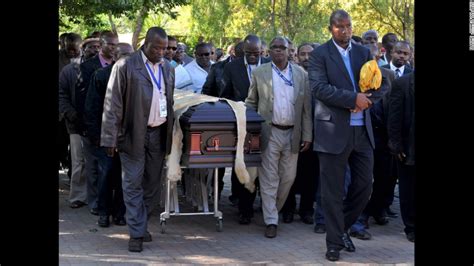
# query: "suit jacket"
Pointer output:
{"type": "Point", "coordinates": [379, 113]}
{"type": "Point", "coordinates": [401, 119]}
{"type": "Point", "coordinates": [67, 99]}
{"type": "Point", "coordinates": [261, 98]}
{"type": "Point", "coordinates": [335, 95]}
{"type": "Point", "coordinates": [236, 80]}
{"type": "Point", "coordinates": [213, 85]}
{"type": "Point", "coordinates": [127, 106]}
{"type": "Point", "coordinates": [94, 104]}
{"type": "Point", "coordinates": [87, 68]}
{"type": "Point", "coordinates": [407, 69]}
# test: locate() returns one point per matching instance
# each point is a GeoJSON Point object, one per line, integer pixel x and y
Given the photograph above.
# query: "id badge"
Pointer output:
{"type": "Point", "coordinates": [163, 109]}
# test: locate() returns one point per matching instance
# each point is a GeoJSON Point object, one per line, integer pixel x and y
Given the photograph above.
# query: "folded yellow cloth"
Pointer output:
{"type": "Point", "coordinates": [370, 76]}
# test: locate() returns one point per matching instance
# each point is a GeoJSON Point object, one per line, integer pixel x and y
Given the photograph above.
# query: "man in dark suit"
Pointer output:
{"type": "Point", "coordinates": [109, 183]}
{"type": "Point", "coordinates": [105, 57]}
{"type": "Point", "coordinates": [236, 83]}
{"type": "Point", "coordinates": [401, 134]}
{"type": "Point", "coordinates": [342, 130]}
{"type": "Point", "coordinates": [138, 122]}
{"type": "Point", "coordinates": [401, 53]}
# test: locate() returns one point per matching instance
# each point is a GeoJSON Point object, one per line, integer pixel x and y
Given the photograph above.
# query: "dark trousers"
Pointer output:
{"type": "Point", "coordinates": [383, 183]}
{"type": "Point", "coordinates": [406, 188]}
{"type": "Point", "coordinates": [339, 212]}
{"type": "Point", "coordinates": [109, 185]}
{"type": "Point", "coordinates": [141, 175]}
{"type": "Point", "coordinates": [246, 198]}
{"type": "Point", "coordinates": [305, 184]}
{"type": "Point", "coordinates": [62, 143]}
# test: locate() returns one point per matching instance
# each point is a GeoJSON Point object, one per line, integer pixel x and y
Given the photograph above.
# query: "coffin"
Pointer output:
{"type": "Point", "coordinates": [210, 136]}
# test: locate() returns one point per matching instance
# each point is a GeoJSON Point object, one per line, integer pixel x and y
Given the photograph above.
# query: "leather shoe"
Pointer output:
{"type": "Point", "coordinates": [244, 219]}
{"type": "Point", "coordinates": [332, 254]}
{"type": "Point", "coordinates": [320, 228]}
{"type": "Point", "coordinates": [411, 237]}
{"type": "Point", "coordinates": [288, 217]}
{"type": "Point", "coordinates": [307, 219]}
{"type": "Point", "coordinates": [147, 237]}
{"type": "Point", "coordinates": [120, 221]}
{"type": "Point", "coordinates": [104, 221]}
{"type": "Point", "coordinates": [363, 235]}
{"type": "Point", "coordinates": [94, 211]}
{"type": "Point", "coordinates": [391, 213]}
{"type": "Point", "coordinates": [348, 245]}
{"type": "Point", "coordinates": [271, 231]}
{"type": "Point", "coordinates": [77, 204]}
{"type": "Point", "coordinates": [135, 244]}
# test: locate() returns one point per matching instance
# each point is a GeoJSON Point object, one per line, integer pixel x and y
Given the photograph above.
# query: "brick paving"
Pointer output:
{"type": "Point", "coordinates": [194, 240]}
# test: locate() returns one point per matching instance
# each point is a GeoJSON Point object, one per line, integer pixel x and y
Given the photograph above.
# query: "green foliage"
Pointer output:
{"type": "Point", "coordinates": [224, 22]}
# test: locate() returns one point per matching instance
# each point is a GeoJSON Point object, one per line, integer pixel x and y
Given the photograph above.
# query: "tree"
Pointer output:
{"type": "Point", "coordinates": [385, 16]}
{"type": "Point", "coordinates": [89, 11]}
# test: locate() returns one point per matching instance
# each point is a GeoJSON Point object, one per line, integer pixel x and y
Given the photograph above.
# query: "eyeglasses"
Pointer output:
{"type": "Point", "coordinates": [281, 47]}
{"type": "Point", "coordinates": [171, 48]}
{"type": "Point", "coordinates": [204, 54]}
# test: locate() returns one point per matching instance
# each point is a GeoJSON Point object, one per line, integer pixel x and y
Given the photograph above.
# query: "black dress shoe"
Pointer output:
{"type": "Point", "coordinates": [332, 254]}
{"type": "Point", "coordinates": [348, 245]}
{"type": "Point", "coordinates": [120, 221]}
{"type": "Point", "coordinates": [363, 235]}
{"type": "Point", "coordinates": [391, 213]}
{"type": "Point", "coordinates": [77, 204]}
{"type": "Point", "coordinates": [307, 219]}
{"type": "Point", "coordinates": [244, 219]}
{"type": "Point", "coordinates": [320, 228]}
{"type": "Point", "coordinates": [104, 221]}
{"type": "Point", "coordinates": [135, 244]}
{"type": "Point", "coordinates": [288, 217]}
{"type": "Point", "coordinates": [271, 231]}
{"type": "Point", "coordinates": [411, 237]}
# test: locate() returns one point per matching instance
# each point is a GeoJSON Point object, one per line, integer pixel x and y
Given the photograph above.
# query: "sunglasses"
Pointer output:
{"type": "Point", "coordinates": [171, 48]}
{"type": "Point", "coordinates": [281, 47]}
{"type": "Point", "coordinates": [204, 54]}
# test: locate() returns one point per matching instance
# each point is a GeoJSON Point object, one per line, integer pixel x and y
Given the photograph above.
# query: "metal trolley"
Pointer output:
{"type": "Point", "coordinates": [199, 196]}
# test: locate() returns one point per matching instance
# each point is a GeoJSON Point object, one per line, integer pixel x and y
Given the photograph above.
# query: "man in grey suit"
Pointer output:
{"type": "Point", "coordinates": [279, 91]}
{"type": "Point", "coordinates": [137, 122]}
{"type": "Point", "coordinates": [342, 130]}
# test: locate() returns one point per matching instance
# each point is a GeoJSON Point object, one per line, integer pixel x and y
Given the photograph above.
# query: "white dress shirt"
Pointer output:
{"type": "Point", "coordinates": [283, 98]}
{"type": "Point", "coordinates": [154, 119]}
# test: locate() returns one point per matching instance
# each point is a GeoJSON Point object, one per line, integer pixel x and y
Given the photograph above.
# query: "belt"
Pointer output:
{"type": "Point", "coordinates": [282, 127]}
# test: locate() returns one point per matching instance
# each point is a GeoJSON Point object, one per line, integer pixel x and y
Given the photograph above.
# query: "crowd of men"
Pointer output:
{"type": "Point", "coordinates": [323, 137]}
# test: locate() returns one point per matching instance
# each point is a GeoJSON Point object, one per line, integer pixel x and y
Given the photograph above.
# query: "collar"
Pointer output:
{"type": "Point", "coordinates": [342, 50]}
{"type": "Point", "coordinates": [394, 68]}
{"type": "Point", "coordinates": [104, 60]}
{"type": "Point", "coordinates": [285, 69]}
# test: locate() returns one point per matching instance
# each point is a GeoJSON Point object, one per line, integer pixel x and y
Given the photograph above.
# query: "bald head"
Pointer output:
{"type": "Point", "coordinates": [252, 49]}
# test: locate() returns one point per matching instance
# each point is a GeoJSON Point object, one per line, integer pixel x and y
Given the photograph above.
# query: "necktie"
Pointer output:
{"type": "Point", "coordinates": [397, 72]}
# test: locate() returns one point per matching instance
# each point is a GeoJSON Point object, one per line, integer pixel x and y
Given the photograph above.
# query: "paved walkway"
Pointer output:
{"type": "Point", "coordinates": [194, 240]}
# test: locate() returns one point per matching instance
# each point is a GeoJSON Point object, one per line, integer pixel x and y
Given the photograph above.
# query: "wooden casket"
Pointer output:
{"type": "Point", "coordinates": [210, 136]}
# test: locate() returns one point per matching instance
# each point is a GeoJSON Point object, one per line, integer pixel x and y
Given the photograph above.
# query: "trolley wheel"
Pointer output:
{"type": "Point", "coordinates": [163, 226]}
{"type": "Point", "coordinates": [219, 225]}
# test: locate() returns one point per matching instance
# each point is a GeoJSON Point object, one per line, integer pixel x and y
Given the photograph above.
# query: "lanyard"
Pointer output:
{"type": "Point", "coordinates": [158, 83]}
{"type": "Point", "coordinates": [287, 82]}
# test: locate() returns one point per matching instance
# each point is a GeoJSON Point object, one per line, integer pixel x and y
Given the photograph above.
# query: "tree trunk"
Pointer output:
{"type": "Point", "coordinates": [138, 27]}
{"type": "Point", "coordinates": [273, 18]}
{"type": "Point", "coordinates": [112, 24]}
